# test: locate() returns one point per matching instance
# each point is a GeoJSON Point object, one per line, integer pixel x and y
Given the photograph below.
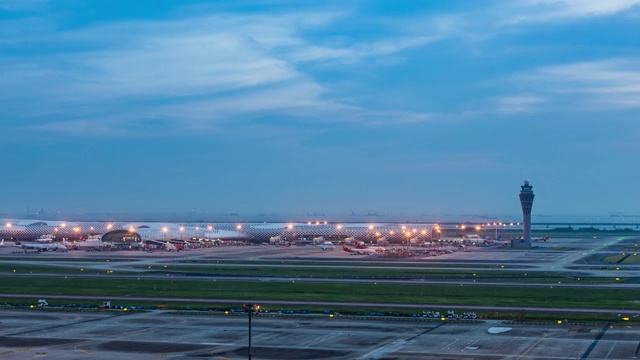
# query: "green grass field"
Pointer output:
{"type": "Point", "coordinates": [500, 275]}
{"type": "Point", "coordinates": [614, 259]}
{"type": "Point", "coordinates": [354, 263]}
{"type": "Point", "coordinates": [356, 293]}
{"type": "Point", "coordinates": [50, 269]}
{"type": "Point", "coordinates": [631, 259]}
{"type": "Point", "coordinates": [317, 272]}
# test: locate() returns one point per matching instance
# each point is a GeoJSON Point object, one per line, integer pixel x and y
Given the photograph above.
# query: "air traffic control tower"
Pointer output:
{"type": "Point", "coordinates": [526, 200]}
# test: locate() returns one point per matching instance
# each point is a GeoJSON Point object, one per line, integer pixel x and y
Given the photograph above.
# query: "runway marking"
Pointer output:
{"type": "Point", "coordinates": [394, 345]}
{"type": "Point", "coordinates": [595, 341]}
{"type": "Point", "coordinates": [54, 334]}
{"type": "Point", "coordinates": [611, 350]}
{"type": "Point", "coordinates": [189, 335]}
{"type": "Point", "coordinates": [532, 346]}
{"type": "Point", "coordinates": [449, 344]}
{"type": "Point", "coordinates": [318, 340]}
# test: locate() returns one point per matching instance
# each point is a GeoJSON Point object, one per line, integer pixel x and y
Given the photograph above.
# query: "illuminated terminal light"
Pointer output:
{"type": "Point", "coordinates": [239, 227]}
{"type": "Point", "coordinates": [377, 234]}
{"type": "Point", "coordinates": [109, 226]}
{"type": "Point", "coordinates": [63, 225]}
{"type": "Point", "coordinates": [9, 225]}
{"type": "Point", "coordinates": [210, 227]}
{"type": "Point", "coordinates": [424, 232]}
{"type": "Point", "coordinates": [164, 229]}
{"type": "Point", "coordinates": [325, 223]}
{"type": "Point", "coordinates": [391, 232]}
{"type": "Point", "coordinates": [339, 227]}
{"type": "Point", "coordinates": [181, 228]}
{"type": "Point", "coordinates": [370, 227]}
{"type": "Point", "coordinates": [477, 227]}
{"type": "Point", "coordinates": [289, 226]}
{"type": "Point", "coordinates": [463, 227]}
{"type": "Point", "coordinates": [308, 222]}
{"type": "Point", "coordinates": [318, 223]}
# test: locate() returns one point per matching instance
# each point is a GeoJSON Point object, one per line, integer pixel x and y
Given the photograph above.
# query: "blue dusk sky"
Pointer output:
{"type": "Point", "coordinates": [251, 106]}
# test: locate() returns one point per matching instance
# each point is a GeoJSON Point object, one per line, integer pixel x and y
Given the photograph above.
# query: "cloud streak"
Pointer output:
{"type": "Point", "coordinates": [536, 11]}
{"type": "Point", "coordinates": [207, 69]}
{"type": "Point", "coordinates": [606, 84]}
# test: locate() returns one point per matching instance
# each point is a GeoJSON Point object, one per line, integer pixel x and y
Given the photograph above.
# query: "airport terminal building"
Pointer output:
{"type": "Point", "coordinates": [119, 232]}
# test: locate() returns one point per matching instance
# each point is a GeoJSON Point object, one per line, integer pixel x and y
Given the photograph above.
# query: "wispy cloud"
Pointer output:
{"type": "Point", "coordinates": [607, 84]}
{"type": "Point", "coordinates": [533, 11]}
{"type": "Point", "coordinates": [196, 72]}
{"type": "Point", "coordinates": [518, 104]}
{"type": "Point", "coordinates": [357, 52]}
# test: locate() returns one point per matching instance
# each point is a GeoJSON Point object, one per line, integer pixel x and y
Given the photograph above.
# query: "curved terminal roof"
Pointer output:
{"type": "Point", "coordinates": [214, 230]}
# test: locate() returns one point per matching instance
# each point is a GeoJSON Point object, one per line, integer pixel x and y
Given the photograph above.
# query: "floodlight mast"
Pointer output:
{"type": "Point", "coordinates": [250, 310]}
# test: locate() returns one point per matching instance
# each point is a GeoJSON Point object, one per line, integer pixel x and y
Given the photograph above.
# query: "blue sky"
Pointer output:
{"type": "Point", "coordinates": [403, 107]}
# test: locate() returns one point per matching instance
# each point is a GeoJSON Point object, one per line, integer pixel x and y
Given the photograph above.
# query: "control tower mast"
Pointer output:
{"type": "Point", "coordinates": [526, 200]}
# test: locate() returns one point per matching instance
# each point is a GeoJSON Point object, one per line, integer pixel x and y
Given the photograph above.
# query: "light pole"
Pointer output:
{"type": "Point", "coordinates": [250, 310]}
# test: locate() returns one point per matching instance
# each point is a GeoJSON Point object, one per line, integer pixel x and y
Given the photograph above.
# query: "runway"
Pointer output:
{"type": "Point", "coordinates": [154, 335]}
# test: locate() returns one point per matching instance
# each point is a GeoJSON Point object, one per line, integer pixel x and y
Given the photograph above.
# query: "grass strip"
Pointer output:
{"type": "Point", "coordinates": [387, 273]}
{"type": "Point", "coordinates": [357, 293]}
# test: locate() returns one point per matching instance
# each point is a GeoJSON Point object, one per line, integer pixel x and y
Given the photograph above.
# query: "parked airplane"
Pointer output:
{"type": "Point", "coordinates": [318, 240]}
{"type": "Point", "coordinates": [91, 244]}
{"type": "Point", "coordinates": [170, 247]}
{"type": "Point", "coordinates": [41, 247]}
{"type": "Point", "coordinates": [382, 241]}
{"type": "Point", "coordinates": [544, 238]}
{"type": "Point", "coordinates": [70, 245]}
{"type": "Point", "coordinates": [367, 251]}
{"type": "Point", "coordinates": [45, 239]}
{"type": "Point", "coordinates": [327, 245]}
{"type": "Point", "coordinates": [275, 240]}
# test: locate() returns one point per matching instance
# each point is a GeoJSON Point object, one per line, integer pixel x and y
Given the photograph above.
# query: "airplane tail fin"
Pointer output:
{"type": "Point", "coordinates": [2, 242]}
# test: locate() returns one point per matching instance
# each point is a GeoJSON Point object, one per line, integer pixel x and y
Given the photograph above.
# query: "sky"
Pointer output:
{"type": "Point", "coordinates": [423, 108]}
